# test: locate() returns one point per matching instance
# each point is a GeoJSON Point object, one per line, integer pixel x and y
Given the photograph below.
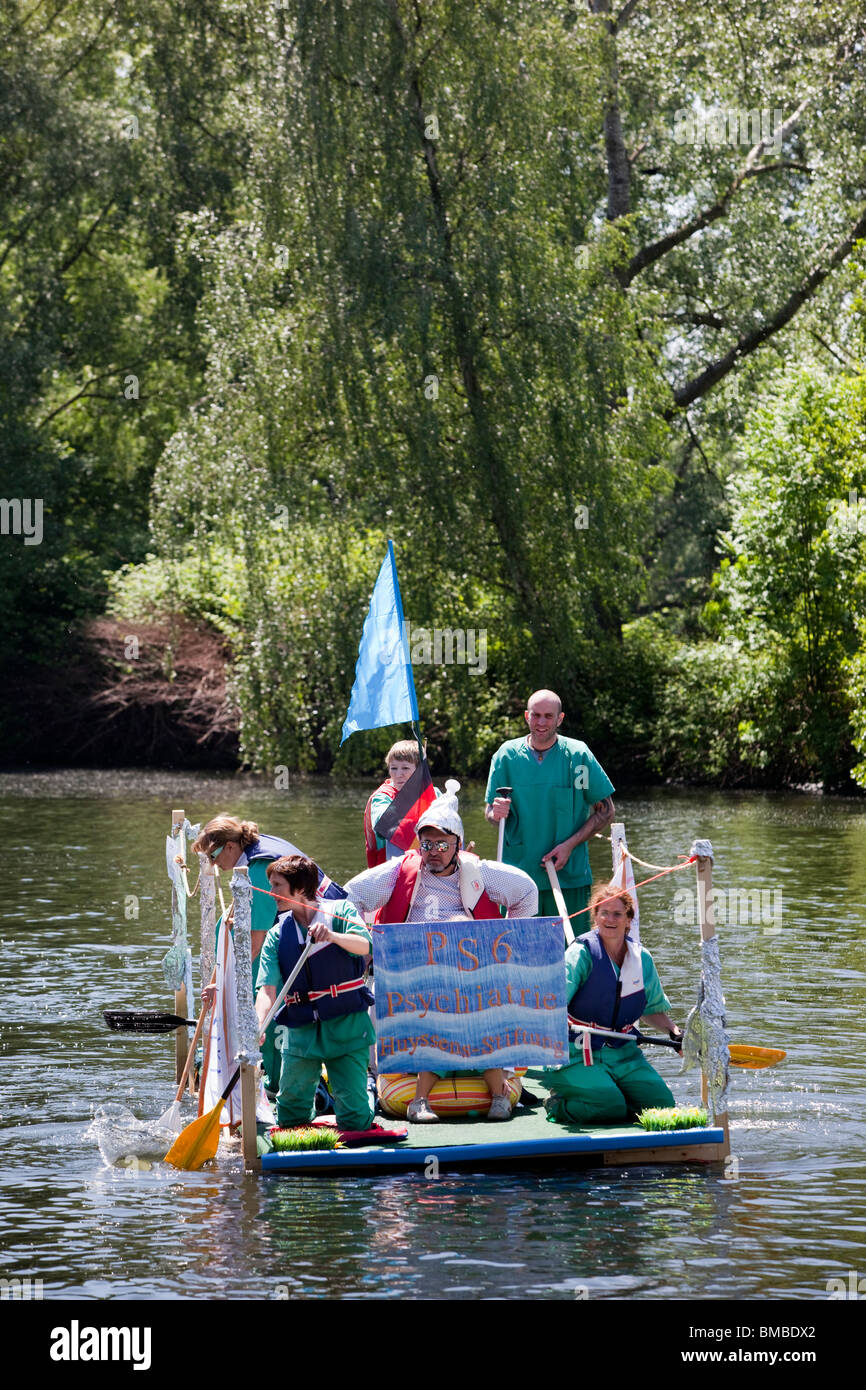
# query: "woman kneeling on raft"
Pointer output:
{"type": "Point", "coordinates": [610, 983]}
{"type": "Point", "coordinates": [326, 1019]}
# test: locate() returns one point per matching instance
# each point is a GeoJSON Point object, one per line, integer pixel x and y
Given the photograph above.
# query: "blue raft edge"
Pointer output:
{"type": "Point", "coordinates": [557, 1146]}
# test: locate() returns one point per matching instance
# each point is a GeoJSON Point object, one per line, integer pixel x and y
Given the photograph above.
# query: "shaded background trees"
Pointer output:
{"type": "Point", "coordinates": [504, 281]}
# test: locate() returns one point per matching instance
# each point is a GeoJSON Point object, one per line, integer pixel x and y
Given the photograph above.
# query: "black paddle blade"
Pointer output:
{"type": "Point", "coordinates": [144, 1022]}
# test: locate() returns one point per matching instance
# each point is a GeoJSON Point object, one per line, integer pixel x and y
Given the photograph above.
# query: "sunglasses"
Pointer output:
{"type": "Point", "coordinates": [440, 845]}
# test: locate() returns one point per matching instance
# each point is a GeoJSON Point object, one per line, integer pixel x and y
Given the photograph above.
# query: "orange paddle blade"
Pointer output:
{"type": "Point", "coordinates": [755, 1057]}
{"type": "Point", "coordinates": [198, 1142]}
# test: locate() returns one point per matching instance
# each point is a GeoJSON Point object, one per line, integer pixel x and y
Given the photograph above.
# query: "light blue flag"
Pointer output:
{"type": "Point", "coordinates": [384, 690]}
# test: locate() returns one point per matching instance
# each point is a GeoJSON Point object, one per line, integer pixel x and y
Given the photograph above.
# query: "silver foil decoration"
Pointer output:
{"type": "Point", "coordinates": [248, 1024]}
{"type": "Point", "coordinates": [174, 961]}
{"type": "Point", "coordinates": [207, 894]}
{"type": "Point", "coordinates": [705, 1038]}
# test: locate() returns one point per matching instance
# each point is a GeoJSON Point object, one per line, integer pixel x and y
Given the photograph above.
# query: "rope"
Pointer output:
{"type": "Point", "coordinates": [321, 902]}
{"type": "Point", "coordinates": [627, 854]}
{"type": "Point", "coordinates": [671, 869]}
{"type": "Point", "coordinates": [184, 868]}
{"type": "Point", "coordinates": [298, 902]}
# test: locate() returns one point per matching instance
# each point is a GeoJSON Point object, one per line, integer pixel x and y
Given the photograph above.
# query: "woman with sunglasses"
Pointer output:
{"type": "Point", "coordinates": [230, 843]}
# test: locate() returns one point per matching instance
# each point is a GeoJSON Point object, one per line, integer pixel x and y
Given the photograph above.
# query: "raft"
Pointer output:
{"type": "Point", "coordinates": [527, 1139]}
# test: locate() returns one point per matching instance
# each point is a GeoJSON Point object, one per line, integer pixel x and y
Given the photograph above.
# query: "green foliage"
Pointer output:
{"type": "Point", "coordinates": [770, 700]}
{"type": "Point", "coordinates": [674, 1117]}
{"type": "Point", "coordinates": [447, 273]}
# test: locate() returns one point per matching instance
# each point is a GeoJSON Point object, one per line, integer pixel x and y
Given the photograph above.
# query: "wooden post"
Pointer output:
{"type": "Point", "coordinates": [249, 1055]}
{"type": "Point", "coordinates": [178, 913]}
{"type": "Point", "coordinates": [707, 919]}
{"type": "Point", "coordinates": [249, 1083]}
{"type": "Point", "coordinates": [624, 874]}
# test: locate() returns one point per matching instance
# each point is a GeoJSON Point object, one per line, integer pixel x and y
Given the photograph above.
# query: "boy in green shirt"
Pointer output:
{"type": "Point", "coordinates": [326, 1019]}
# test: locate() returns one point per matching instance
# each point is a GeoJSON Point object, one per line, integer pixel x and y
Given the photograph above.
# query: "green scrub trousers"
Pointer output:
{"type": "Point", "coordinates": [343, 1044]}
{"type": "Point", "coordinates": [620, 1083]}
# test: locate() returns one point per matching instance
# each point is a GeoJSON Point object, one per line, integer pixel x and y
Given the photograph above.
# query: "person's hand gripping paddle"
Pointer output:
{"type": "Point", "coordinates": [502, 791]}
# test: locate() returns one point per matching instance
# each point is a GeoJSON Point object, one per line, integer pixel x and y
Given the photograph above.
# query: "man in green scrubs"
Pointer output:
{"type": "Point", "coordinates": [560, 797]}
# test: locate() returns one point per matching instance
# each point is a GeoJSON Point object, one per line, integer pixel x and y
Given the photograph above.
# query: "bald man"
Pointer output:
{"type": "Point", "coordinates": [560, 797]}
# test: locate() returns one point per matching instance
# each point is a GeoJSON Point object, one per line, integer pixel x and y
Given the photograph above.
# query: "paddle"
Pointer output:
{"type": "Point", "coordinates": [144, 1021]}
{"type": "Point", "coordinates": [502, 791]}
{"type": "Point", "coordinates": [741, 1054]}
{"type": "Point", "coordinates": [559, 900]}
{"type": "Point", "coordinates": [170, 1118]}
{"type": "Point", "coordinates": [200, 1140]}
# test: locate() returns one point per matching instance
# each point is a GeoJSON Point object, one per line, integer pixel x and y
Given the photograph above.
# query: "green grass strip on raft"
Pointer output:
{"type": "Point", "coordinates": [311, 1137]}
{"type": "Point", "coordinates": [674, 1117]}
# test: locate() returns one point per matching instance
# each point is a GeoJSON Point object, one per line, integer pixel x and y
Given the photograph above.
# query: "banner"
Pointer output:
{"type": "Point", "coordinates": [467, 996]}
{"type": "Point", "coordinates": [384, 689]}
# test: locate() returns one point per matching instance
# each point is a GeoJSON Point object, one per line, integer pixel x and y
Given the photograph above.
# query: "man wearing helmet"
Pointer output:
{"type": "Point", "coordinates": [441, 882]}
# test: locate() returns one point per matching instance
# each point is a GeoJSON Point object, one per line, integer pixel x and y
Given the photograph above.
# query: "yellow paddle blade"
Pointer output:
{"type": "Point", "coordinates": [755, 1057]}
{"type": "Point", "coordinates": [198, 1142]}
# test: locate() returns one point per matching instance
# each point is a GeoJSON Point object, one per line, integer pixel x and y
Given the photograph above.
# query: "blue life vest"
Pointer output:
{"type": "Point", "coordinates": [330, 966]}
{"type": "Point", "coordinates": [271, 847]}
{"type": "Point", "coordinates": [598, 1000]}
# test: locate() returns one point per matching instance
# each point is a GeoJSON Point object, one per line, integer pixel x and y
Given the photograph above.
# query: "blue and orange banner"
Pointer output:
{"type": "Point", "coordinates": [466, 996]}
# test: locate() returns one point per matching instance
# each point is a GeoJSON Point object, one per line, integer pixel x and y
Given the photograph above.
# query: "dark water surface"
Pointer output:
{"type": "Point", "coordinates": [787, 1216]}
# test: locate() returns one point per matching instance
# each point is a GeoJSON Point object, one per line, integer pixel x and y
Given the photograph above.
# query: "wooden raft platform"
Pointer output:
{"type": "Point", "coordinates": [526, 1139]}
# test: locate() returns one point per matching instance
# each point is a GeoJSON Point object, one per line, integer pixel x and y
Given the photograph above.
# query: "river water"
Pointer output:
{"type": "Point", "coordinates": [788, 1215]}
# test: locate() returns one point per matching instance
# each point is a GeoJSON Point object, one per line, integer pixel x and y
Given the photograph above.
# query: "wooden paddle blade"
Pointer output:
{"type": "Point", "coordinates": [145, 1021]}
{"type": "Point", "coordinates": [198, 1142]}
{"type": "Point", "coordinates": [755, 1057]}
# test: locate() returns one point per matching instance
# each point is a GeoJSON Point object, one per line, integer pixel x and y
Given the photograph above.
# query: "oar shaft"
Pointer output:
{"type": "Point", "coordinates": [190, 1056]}
{"type": "Point", "coordinates": [558, 898]}
{"type": "Point", "coordinates": [500, 847]}
{"type": "Point", "coordinates": [632, 1035]}
{"type": "Point", "coordinates": [274, 1010]}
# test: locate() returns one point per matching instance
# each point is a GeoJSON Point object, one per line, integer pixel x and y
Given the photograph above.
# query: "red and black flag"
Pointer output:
{"type": "Point", "coordinates": [397, 824]}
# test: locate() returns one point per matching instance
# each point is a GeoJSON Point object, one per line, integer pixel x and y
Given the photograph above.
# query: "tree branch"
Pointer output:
{"type": "Point", "coordinates": [848, 362]}
{"type": "Point", "coordinates": [751, 169]}
{"type": "Point", "coordinates": [84, 392]}
{"type": "Point", "coordinates": [83, 245]}
{"type": "Point", "coordinates": [616, 154]}
{"type": "Point", "coordinates": [625, 14]}
{"type": "Point", "coordinates": [750, 342]}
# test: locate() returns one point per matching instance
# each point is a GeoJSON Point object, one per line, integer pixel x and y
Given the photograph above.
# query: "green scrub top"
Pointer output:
{"type": "Point", "coordinates": [550, 800]}
{"type": "Point", "coordinates": [330, 1036]}
{"type": "Point", "coordinates": [264, 908]}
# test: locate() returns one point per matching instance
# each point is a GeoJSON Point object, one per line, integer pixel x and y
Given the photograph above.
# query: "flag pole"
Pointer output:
{"type": "Point", "coordinates": [417, 734]}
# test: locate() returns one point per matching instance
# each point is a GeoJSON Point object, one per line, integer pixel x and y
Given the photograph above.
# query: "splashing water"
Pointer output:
{"type": "Point", "coordinates": [124, 1140]}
